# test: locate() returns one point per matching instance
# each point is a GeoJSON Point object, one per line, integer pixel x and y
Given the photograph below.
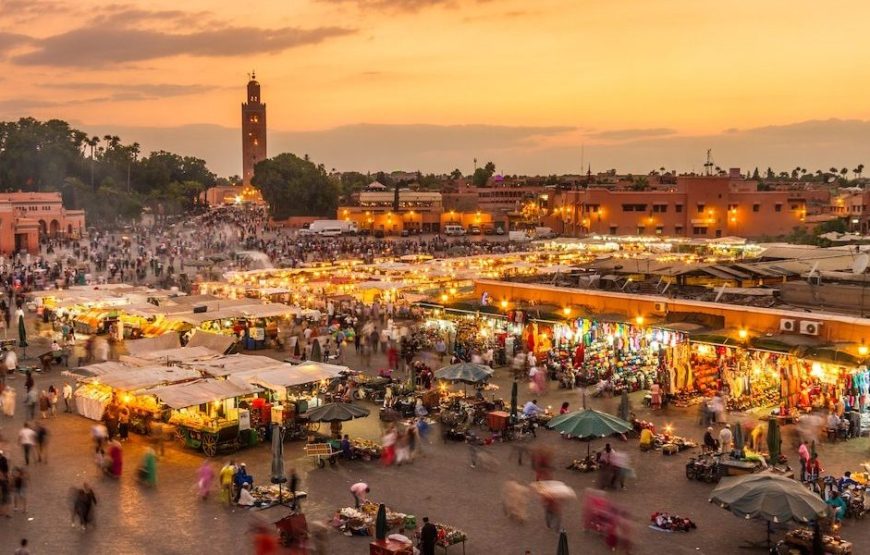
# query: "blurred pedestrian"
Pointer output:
{"type": "Point", "coordinates": [359, 491]}
{"type": "Point", "coordinates": [204, 479]}
{"type": "Point", "coordinates": [8, 397]}
{"type": "Point", "coordinates": [27, 441]}
{"type": "Point", "coordinates": [19, 489]}
{"type": "Point", "coordinates": [22, 549]}
{"type": "Point", "coordinates": [294, 486]}
{"type": "Point", "coordinates": [226, 477]}
{"type": "Point", "coordinates": [428, 537]}
{"type": "Point", "coordinates": [83, 505]}
{"type": "Point", "coordinates": [30, 402]}
{"type": "Point", "coordinates": [148, 470]}
{"type": "Point", "coordinates": [41, 443]}
{"type": "Point", "coordinates": [67, 397]}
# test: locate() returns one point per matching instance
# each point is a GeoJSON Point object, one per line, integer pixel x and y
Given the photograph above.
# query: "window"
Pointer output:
{"type": "Point", "coordinates": [699, 231]}
{"type": "Point", "coordinates": [777, 207]}
{"type": "Point", "coordinates": [678, 208]}
{"type": "Point", "coordinates": [718, 233]}
{"type": "Point", "coordinates": [592, 208]}
{"type": "Point", "coordinates": [700, 208]}
{"type": "Point", "coordinates": [678, 230]}
{"type": "Point", "coordinates": [659, 230]}
{"type": "Point", "coordinates": [795, 206]}
{"type": "Point", "coordinates": [660, 208]}
{"type": "Point", "coordinates": [641, 230]}
{"type": "Point", "coordinates": [613, 229]}
{"type": "Point", "coordinates": [756, 207]}
{"type": "Point", "coordinates": [634, 207]}
{"type": "Point", "coordinates": [732, 207]}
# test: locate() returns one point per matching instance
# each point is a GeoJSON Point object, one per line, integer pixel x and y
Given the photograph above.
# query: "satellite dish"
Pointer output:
{"type": "Point", "coordinates": [860, 264]}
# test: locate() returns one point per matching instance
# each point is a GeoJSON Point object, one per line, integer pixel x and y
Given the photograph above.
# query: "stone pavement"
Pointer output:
{"type": "Point", "coordinates": [440, 484]}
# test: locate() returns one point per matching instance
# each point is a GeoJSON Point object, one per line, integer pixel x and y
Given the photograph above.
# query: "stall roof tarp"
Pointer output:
{"type": "Point", "coordinates": [134, 379]}
{"type": "Point", "coordinates": [216, 342]}
{"type": "Point", "coordinates": [236, 364]}
{"type": "Point", "coordinates": [101, 368]}
{"type": "Point", "coordinates": [182, 354]}
{"type": "Point", "coordinates": [289, 375]}
{"type": "Point", "coordinates": [138, 347]}
{"type": "Point", "coordinates": [185, 395]}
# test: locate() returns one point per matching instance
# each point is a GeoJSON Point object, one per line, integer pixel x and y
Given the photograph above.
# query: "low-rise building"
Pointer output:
{"type": "Point", "coordinates": [25, 218]}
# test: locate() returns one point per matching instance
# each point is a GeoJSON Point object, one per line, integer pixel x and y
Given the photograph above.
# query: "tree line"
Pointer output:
{"type": "Point", "coordinates": [110, 180]}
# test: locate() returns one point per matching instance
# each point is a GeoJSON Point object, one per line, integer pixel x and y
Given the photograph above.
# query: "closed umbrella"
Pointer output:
{"type": "Point", "coordinates": [738, 438]}
{"type": "Point", "coordinates": [381, 523]}
{"type": "Point", "coordinates": [774, 444]}
{"type": "Point", "coordinates": [514, 402]}
{"type": "Point", "coordinates": [278, 476]}
{"type": "Point", "coordinates": [465, 372]}
{"type": "Point", "coordinates": [22, 335]}
{"type": "Point", "coordinates": [624, 406]}
{"type": "Point", "coordinates": [316, 354]}
{"type": "Point", "coordinates": [562, 549]}
{"type": "Point", "coordinates": [336, 412]}
{"type": "Point", "coordinates": [769, 497]}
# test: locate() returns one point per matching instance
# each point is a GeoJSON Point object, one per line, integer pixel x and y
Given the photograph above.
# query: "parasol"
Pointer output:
{"type": "Point", "coordinates": [336, 412]}
{"type": "Point", "coordinates": [562, 549]}
{"type": "Point", "coordinates": [770, 497]}
{"type": "Point", "coordinates": [465, 372]}
{"type": "Point", "coordinates": [553, 489]}
{"type": "Point", "coordinates": [774, 444]}
{"type": "Point", "coordinates": [381, 522]}
{"type": "Point", "coordinates": [588, 424]}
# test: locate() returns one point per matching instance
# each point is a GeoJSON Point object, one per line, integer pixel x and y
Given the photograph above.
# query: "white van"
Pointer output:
{"type": "Point", "coordinates": [453, 229]}
{"type": "Point", "coordinates": [519, 236]}
{"type": "Point", "coordinates": [332, 228]}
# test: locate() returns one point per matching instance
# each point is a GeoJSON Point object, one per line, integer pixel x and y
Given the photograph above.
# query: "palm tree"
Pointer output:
{"type": "Point", "coordinates": [844, 172]}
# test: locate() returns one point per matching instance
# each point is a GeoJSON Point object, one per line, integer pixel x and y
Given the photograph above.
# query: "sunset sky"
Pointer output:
{"type": "Point", "coordinates": [634, 84]}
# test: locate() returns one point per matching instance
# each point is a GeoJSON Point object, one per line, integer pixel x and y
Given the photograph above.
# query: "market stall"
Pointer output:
{"type": "Point", "coordinates": [124, 386]}
{"type": "Point", "coordinates": [210, 414]}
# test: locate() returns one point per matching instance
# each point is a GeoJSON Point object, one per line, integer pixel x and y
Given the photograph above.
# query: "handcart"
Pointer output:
{"type": "Point", "coordinates": [321, 452]}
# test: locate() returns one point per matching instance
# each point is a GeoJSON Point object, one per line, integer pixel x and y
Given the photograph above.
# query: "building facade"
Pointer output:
{"type": "Point", "coordinates": [25, 218]}
{"type": "Point", "coordinates": [253, 131]}
{"type": "Point", "coordinates": [703, 207]}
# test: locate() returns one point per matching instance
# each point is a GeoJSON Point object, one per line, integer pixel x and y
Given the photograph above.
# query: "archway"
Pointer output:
{"type": "Point", "coordinates": [69, 229]}
{"type": "Point", "coordinates": [54, 228]}
{"type": "Point", "coordinates": [43, 228]}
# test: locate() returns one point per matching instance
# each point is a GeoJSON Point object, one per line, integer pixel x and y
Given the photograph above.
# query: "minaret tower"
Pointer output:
{"type": "Point", "coordinates": [253, 130]}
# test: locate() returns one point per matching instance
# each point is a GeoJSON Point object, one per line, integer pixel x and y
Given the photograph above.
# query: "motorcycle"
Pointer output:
{"type": "Point", "coordinates": [704, 468]}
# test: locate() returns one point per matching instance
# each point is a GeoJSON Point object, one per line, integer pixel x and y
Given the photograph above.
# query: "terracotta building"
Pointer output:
{"type": "Point", "coordinates": [696, 206]}
{"type": "Point", "coordinates": [253, 130]}
{"type": "Point", "coordinates": [27, 217]}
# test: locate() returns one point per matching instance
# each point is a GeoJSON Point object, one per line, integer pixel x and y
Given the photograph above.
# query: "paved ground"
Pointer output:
{"type": "Point", "coordinates": [169, 520]}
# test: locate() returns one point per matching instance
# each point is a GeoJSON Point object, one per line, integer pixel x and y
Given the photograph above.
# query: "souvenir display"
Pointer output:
{"type": "Point", "coordinates": [671, 523]}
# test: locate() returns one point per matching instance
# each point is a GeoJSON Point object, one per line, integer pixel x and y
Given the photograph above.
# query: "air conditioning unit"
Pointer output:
{"type": "Point", "coordinates": [808, 327]}
{"type": "Point", "coordinates": [661, 307]}
{"type": "Point", "coordinates": [786, 324]}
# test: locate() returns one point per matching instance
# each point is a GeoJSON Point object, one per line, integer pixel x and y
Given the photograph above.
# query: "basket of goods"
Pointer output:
{"type": "Point", "coordinates": [447, 535]}
{"type": "Point", "coordinates": [586, 464]}
{"type": "Point", "coordinates": [366, 449]}
{"type": "Point", "coordinates": [666, 522]}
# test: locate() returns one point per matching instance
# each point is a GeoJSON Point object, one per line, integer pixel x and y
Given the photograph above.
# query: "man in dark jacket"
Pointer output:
{"type": "Point", "coordinates": [428, 537]}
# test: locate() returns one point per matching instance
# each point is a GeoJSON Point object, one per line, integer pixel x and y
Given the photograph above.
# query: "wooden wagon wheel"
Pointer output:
{"type": "Point", "coordinates": [209, 444]}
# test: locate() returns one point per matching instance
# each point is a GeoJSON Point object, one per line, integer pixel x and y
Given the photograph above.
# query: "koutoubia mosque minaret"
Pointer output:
{"type": "Point", "coordinates": [253, 130]}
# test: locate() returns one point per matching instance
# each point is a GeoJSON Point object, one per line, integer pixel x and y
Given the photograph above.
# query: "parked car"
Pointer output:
{"type": "Point", "coordinates": [474, 230]}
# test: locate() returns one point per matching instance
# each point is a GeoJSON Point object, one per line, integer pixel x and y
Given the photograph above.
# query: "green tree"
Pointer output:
{"type": "Point", "coordinates": [482, 175]}
{"type": "Point", "coordinates": [456, 175]}
{"type": "Point", "coordinates": [295, 187]}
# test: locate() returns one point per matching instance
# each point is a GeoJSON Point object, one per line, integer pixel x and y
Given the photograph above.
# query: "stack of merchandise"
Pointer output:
{"type": "Point", "coordinates": [671, 523]}
{"type": "Point", "coordinates": [365, 449]}
{"type": "Point", "coordinates": [447, 535]}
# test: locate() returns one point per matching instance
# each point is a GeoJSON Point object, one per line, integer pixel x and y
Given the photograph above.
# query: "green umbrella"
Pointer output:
{"type": "Point", "coordinates": [465, 372]}
{"type": "Point", "coordinates": [336, 412]}
{"type": "Point", "coordinates": [770, 497]}
{"type": "Point", "coordinates": [381, 523]}
{"type": "Point", "coordinates": [738, 437]}
{"type": "Point", "coordinates": [22, 336]}
{"type": "Point", "coordinates": [514, 402]}
{"type": "Point", "coordinates": [588, 423]}
{"type": "Point", "coordinates": [774, 444]}
{"type": "Point", "coordinates": [563, 544]}
{"type": "Point", "coordinates": [316, 353]}
{"type": "Point", "coordinates": [624, 406]}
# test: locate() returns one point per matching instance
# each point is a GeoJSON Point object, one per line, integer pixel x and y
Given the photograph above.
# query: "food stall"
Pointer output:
{"type": "Point", "coordinates": [124, 385]}
{"type": "Point", "coordinates": [210, 414]}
